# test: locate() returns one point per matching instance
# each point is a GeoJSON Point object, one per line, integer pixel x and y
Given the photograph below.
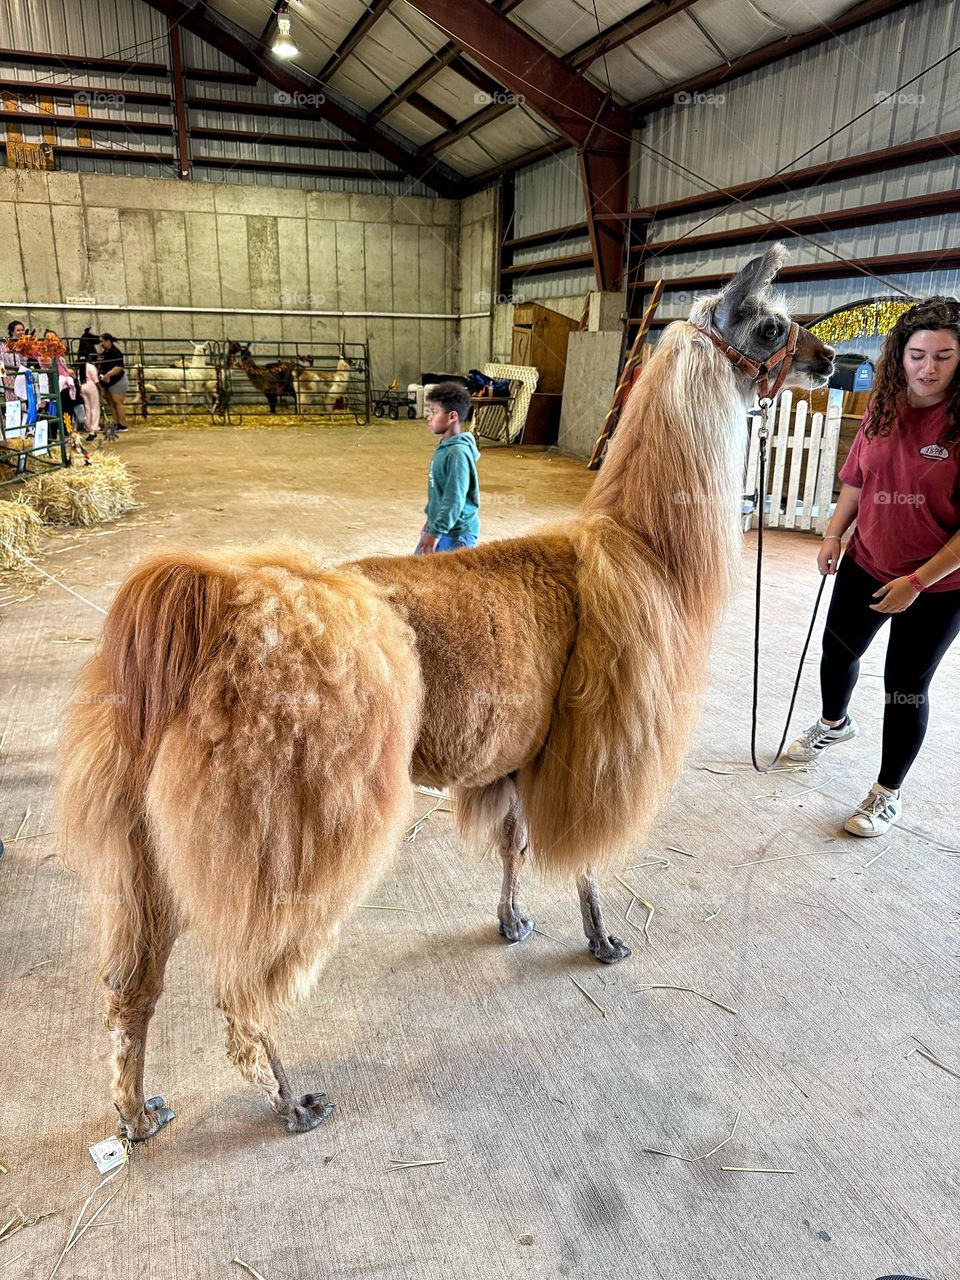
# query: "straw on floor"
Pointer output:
{"type": "Point", "coordinates": [20, 529]}
{"type": "Point", "coordinates": [81, 495]}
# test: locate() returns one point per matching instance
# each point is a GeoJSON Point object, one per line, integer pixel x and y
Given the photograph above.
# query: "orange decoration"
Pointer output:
{"type": "Point", "coordinates": [28, 348]}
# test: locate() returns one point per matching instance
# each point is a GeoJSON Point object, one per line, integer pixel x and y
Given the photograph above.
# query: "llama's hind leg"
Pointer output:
{"type": "Point", "coordinates": [251, 1049]}
{"type": "Point", "coordinates": [514, 925]}
{"type": "Point", "coordinates": [605, 947]}
{"type": "Point", "coordinates": [249, 998]}
{"type": "Point", "coordinates": [134, 983]}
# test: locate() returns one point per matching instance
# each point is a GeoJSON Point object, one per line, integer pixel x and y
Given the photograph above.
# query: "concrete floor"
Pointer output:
{"type": "Point", "coordinates": [438, 1042]}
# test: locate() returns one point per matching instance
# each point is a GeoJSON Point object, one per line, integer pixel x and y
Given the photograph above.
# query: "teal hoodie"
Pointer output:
{"type": "Point", "coordinates": [453, 491]}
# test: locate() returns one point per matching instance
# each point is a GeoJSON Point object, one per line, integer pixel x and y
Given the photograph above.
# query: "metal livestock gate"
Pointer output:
{"type": "Point", "coordinates": [307, 378]}
{"type": "Point", "coordinates": [225, 380]}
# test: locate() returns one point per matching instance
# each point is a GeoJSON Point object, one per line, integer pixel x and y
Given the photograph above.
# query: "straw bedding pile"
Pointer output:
{"type": "Point", "coordinates": [20, 529]}
{"type": "Point", "coordinates": [251, 420]}
{"type": "Point", "coordinates": [81, 495]}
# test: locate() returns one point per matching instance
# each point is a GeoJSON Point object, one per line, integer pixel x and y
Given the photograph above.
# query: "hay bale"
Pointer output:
{"type": "Point", "coordinates": [82, 495]}
{"type": "Point", "coordinates": [20, 529]}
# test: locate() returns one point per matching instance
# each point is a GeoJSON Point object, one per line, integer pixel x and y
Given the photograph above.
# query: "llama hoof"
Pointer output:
{"type": "Point", "coordinates": [154, 1116]}
{"type": "Point", "coordinates": [517, 929]}
{"type": "Point", "coordinates": [308, 1112]}
{"type": "Point", "coordinates": [609, 950]}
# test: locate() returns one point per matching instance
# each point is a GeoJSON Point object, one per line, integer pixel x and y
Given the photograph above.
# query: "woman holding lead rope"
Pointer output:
{"type": "Point", "coordinates": [901, 484]}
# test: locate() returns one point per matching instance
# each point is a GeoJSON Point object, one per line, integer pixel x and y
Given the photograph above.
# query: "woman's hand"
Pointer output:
{"type": "Point", "coordinates": [828, 557]}
{"type": "Point", "coordinates": [895, 596]}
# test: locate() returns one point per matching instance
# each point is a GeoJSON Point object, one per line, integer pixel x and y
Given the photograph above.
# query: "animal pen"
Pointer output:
{"type": "Point", "coordinates": [228, 380]}
{"type": "Point", "coordinates": [33, 436]}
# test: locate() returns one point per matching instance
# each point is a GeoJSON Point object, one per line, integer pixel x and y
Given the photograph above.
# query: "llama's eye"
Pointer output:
{"type": "Point", "coordinates": [770, 330]}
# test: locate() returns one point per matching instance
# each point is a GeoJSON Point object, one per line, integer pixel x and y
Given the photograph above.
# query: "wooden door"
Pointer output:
{"type": "Point", "coordinates": [522, 347]}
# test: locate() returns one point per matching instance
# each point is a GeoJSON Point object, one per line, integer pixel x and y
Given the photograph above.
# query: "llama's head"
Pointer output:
{"type": "Point", "coordinates": [752, 319]}
{"type": "Point", "coordinates": [201, 348]}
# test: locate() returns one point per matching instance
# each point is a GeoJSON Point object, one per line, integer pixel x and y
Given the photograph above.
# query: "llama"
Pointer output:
{"type": "Point", "coordinates": [239, 755]}
{"type": "Point", "coordinates": [185, 380]}
{"type": "Point", "coordinates": [325, 389]}
{"type": "Point", "coordinates": [276, 381]}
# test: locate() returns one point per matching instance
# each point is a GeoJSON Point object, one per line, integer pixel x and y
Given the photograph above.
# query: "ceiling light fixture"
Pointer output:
{"type": "Point", "coordinates": [283, 45]}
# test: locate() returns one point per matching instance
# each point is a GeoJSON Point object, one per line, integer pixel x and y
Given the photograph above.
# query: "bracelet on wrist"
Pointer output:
{"type": "Point", "coordinates": [915, 582]}
{"type": "Point", "coordinates": [827, 537]}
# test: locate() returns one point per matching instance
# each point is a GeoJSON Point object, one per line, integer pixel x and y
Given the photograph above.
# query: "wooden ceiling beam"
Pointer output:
{"type": "Point", "coordinates": [361, 28]}
{"type": "Point", "coordinates": [324, 108]}
{"type": "Point", "coordinates": [564, 99]}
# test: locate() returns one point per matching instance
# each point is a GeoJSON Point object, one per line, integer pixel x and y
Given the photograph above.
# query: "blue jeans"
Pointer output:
{"type": "Point", "coordinates": [446, 542]}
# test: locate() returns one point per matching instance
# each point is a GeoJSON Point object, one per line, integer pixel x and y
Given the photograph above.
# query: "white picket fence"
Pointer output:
{"type": "Point", "coordinates": [801, 463]}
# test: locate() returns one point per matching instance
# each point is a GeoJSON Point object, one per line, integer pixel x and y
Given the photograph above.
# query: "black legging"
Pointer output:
{"type": "Point", "coordinates": [919, 637]}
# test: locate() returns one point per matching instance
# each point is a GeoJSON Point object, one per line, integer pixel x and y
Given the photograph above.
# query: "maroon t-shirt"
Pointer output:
{"type": "Point", "coordinates": [909, 495]}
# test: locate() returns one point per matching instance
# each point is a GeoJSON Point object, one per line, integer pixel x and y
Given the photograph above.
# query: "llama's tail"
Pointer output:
{"type": "Point", "coordinates": [258, 726]}
{"type": "Point", "coordinates": [160, 631]}
{"type": "Point", "coordinates": [162, 628]}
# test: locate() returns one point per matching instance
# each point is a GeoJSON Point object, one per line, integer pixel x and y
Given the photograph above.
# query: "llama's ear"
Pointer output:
{"type": "Point", "coordinates": [749, 281]}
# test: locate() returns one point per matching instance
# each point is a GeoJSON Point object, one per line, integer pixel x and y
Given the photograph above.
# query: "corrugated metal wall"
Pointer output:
{"type": "Point", "coordinates": [197, 53]}
{"type": "Point", "coordinates": [770, 120]}
{"type": "Point", "coordinates": [132, 29]}
{"type": "Point", "coordinates": [112, 29]}
{"type": "Point", "coordinates": [767, 120]}
{"type": "Point", "coordinates": [562, 284]}
{"type": "Point", "coordinates": [548, 195]}
{"type": "Point", "coordinates": [764, 121]}
{"type": "Point", "coordinates": [108, 29]}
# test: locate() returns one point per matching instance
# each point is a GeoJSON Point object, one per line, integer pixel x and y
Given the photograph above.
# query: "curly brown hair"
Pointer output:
{"type": "Point", "coordinates": [891, 381]}
{"type": "Point", "coordinates": [451, 396]}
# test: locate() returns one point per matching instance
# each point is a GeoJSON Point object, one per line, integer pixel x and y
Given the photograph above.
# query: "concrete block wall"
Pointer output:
{"type": "Point", "coordinates": [130, 242]}
{"type": "Point", "coordinates": [478, 250]}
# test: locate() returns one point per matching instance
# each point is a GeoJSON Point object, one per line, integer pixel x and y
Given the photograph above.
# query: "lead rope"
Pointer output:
{"type": "Point", "coordinates": [759, 506]}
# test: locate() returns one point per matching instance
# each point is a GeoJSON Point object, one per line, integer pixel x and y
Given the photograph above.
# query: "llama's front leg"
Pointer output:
{"type": "Point", "coordinates": [514, 926]}
{"type": "Point", "coordinates": [604, 946]}
{"type": "Point", "coordinates": [251, 1049]}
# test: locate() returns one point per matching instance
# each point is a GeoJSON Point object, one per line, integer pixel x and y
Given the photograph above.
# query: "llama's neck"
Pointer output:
{"type": "Point", "coordinates": [673, 474]}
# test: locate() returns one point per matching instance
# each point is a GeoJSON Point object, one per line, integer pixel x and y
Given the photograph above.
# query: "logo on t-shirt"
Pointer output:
{"type": "Point", "coordinates": [934, 451]}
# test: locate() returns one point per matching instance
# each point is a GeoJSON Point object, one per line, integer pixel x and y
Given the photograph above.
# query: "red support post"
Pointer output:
{"type": "Point", "coordinates": [567, 101]}
{"type": "Point", "coordinates": [604, 177]}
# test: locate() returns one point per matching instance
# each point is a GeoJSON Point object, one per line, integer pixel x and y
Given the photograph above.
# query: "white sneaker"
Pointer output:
{"type": "Point", "coordinates": [818, 737]}
{"type": "Point", "coordinates": [876, 815]}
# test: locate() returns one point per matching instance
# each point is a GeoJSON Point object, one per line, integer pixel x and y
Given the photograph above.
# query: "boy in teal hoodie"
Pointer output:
{"type": "Point", "coordinates": [453, 491]}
